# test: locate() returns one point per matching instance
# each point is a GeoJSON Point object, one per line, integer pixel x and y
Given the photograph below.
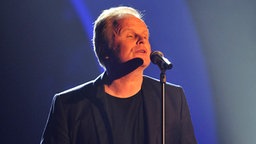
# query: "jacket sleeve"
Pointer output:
{"type": "Point", "coordinates": [187, 130]}
{"type": "Point", "coordinates": [56, 129]}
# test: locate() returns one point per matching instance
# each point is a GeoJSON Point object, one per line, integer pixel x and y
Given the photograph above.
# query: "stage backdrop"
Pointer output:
{"type": "Point", "coordinates": [46, 48]}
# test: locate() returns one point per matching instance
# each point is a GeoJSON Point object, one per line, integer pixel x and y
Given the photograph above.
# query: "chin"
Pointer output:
{"type": "Point", "coordinates": [145, 64]}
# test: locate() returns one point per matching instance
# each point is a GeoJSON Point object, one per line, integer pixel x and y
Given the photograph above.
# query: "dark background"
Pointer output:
{"type": "Point", "coordinates": [46, 48]}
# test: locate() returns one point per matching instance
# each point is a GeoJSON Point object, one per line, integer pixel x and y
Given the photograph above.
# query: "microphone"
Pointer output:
{"type": "Point", "coordinates": [158, 58]}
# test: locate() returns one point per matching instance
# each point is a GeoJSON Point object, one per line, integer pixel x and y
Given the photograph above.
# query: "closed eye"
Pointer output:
{"type": "Point", "coordinates": [130, 35]}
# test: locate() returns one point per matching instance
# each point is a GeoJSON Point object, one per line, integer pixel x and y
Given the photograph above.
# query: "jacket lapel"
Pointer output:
{"type": "Point", "coordinates": [152, 110]}
{"type": "Point", "coordinates": [102, 123]}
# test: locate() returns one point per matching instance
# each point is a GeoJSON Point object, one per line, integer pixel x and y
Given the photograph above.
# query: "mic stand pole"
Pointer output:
{"type": "Point", "coordinates": [163, 83]}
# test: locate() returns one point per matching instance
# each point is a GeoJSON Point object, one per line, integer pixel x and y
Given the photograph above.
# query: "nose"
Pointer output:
{"type": "Point", "coordinates": [141, 40]}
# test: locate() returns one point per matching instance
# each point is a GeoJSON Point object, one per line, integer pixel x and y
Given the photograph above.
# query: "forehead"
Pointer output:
{"type": "Point", "coordinates": [131, 22]}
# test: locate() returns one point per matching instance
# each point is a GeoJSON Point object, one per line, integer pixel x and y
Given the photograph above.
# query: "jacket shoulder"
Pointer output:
{"type": "Point", "coordinates": [76, 89]}
{"type": "Point", "coordinates": [76, 94]}
{"type": "Point", "coordinates": [155, 81]}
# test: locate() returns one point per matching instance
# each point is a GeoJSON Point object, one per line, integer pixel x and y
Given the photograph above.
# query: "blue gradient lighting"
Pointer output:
{"type": "Point", "coordinates": [84, 15]}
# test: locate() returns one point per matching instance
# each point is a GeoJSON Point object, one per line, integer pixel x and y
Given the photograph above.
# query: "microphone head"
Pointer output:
{"type": "Point", "coordinates": [158, 58]}
{"type": "Point", "coordinates": [155, 55]}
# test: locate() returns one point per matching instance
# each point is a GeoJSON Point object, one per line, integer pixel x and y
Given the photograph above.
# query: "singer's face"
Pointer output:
{"type": "Point", "coordinates": [131, 40]}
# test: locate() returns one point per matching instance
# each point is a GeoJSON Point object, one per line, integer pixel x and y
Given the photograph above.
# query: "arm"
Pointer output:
{"type": "Point", "coordinates": [56, 131]}
{"type": "Point", "coordinates": [187, 130]}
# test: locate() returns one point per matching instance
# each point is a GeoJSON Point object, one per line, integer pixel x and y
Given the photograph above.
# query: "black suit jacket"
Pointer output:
{"type": "Point", "coordinates": [78, 116]}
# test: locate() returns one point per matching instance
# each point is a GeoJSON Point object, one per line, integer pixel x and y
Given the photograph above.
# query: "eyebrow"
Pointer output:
{"type": "Point", "coordinates": [129, 29]}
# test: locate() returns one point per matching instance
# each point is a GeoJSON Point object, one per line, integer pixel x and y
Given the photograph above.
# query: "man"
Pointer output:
{"type": "Point", "coordinates": [121, 106]}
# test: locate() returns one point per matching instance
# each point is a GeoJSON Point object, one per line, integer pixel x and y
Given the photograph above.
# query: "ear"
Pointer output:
{"type": "Point", "coordinates": [106, 57]}
{"type": "Point", "coordinates": [108, 54]}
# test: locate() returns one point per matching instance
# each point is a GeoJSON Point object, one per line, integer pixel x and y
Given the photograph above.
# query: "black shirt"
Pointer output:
{"type": "Point", "coordinates": [126, 118]}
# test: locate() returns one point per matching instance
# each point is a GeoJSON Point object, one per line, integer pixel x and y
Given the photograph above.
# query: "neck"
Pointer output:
{"type": "Point", "coordinates": [125, 86]}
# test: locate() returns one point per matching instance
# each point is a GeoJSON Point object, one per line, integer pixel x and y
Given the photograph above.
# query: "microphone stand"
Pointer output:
{"type": "Point", "coordinates": [164, 64]}
{"type": "Point", "coordinates": [163, 83]}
